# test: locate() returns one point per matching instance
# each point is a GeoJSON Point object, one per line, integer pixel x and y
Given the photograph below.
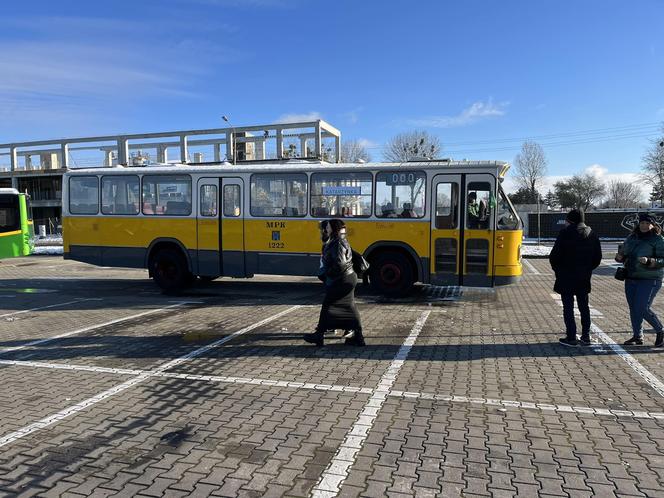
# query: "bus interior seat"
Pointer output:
{"type": "Point", "coordinates": [178, 207]}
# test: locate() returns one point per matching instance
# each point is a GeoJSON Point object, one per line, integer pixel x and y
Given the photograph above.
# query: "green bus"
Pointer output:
{"type": "Point", "coordinates": [16, 226]}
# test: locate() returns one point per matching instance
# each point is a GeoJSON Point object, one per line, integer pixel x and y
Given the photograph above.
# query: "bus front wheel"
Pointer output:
{"type": "Point", "coordinates": [169, 270]}
{"type": "Point", "coordinates": [392, 273]}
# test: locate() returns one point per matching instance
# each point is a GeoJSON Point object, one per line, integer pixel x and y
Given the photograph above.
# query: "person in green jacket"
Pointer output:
{"type": "Point", "coordinates": [643, 256]}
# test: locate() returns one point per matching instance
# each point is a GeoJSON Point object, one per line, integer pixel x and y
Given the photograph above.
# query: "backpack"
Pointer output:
{"type": "Point", "coordinates": [360, 265]}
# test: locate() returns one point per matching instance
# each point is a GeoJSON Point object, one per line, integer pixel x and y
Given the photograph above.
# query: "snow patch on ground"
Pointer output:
{"type": "Point", "coordinates": [528, 250]}
{"type": "Point", "coordinates": [50, 240]}
{"type": "Point", "coordinates": [48, 250]}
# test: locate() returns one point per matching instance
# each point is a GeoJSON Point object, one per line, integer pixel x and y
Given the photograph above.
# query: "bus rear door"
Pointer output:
{"type": "Point", "coordinates": [446, 232]}
{"type": "Point", "coordinates": [232, 228]}
{"type": "Point", "coordinates": [207, 228]}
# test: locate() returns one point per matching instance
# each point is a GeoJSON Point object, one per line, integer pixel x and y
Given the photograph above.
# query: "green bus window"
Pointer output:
{"type": "Point", "coordinates": [10, 219]}
{"type": "Point", "coordinates": [342, 194]}
{"type": "Point", "coordinates": [83, 195]}
{"type": "Point", "coordinates": [120, 194]}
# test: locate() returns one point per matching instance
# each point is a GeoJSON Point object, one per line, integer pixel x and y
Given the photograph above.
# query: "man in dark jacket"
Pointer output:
{"type": "Point", "coordinates": [576, 253]}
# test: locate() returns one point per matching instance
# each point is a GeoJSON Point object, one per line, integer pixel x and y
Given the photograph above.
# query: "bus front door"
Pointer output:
{"type": "Point", "coordinates": [478, 215]}
{"type": "Point", "coordinates": [446, 231]}
{"type": "Point", "coordinates": [208, 234]}
{"type": "Point", "coordinates": [232, 228]}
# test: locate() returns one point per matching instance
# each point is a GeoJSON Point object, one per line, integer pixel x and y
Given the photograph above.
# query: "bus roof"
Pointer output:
{"type": "Point", "coordinates": [9, 191]}
{"type": "Point", "coordinates": [292, 166]}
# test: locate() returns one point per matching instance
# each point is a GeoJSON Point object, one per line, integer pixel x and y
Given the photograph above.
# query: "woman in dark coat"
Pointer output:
{"type": "Point", "coordinates": [338, 310]}
{"type": "Point", "coordinates": [576, 253]}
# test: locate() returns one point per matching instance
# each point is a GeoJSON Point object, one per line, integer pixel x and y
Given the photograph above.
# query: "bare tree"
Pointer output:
{"type": "Point", "coordinates": [352, 151]}
{"type": "Point", "coordinates": [530, 165]}
{"type": "Point", "coordinates": [622, 195]}
{"type": "Point", "coordinates": [580, 191]}
{"type": "Point", "coordinates": [412, 145]}
{"type": "Point", "coordinates": [653, 166]}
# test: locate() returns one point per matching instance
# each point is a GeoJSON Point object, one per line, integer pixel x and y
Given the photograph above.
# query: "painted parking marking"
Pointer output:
{"type": "Point", "coordinates": [337, 471]}
{"type": "Point", "coordinates": [72, 410]}
{"type": "Point", "coordinates": [652, 380]}
{"type": "Point", "coordinates": [91, 327]}
{"type": "Point", "coordinates": [508, 404]}
{"type": "Point", "coordinates": [530, 267]}
{"type": "Point", "coordinates": [75, 301]}
{"type": "Point", "coordinates": [527, 405]}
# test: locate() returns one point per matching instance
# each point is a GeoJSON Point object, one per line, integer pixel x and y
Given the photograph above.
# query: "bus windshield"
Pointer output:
{"type": "Point", "coordinates": [506, 216]}
{"type": "Point", "coordinates": [10, 219]}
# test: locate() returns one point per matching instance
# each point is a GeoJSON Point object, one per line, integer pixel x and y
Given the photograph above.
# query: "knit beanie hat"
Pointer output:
{"type": "Point", "coordinates": [575, 216]}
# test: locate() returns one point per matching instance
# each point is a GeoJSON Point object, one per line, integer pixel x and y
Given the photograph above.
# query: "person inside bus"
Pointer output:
{"type": "Point", "coordinates": [407, 211]}
{"type": "Point", "coordinates": [473, 211]}
{"type": "Point", "coordinates": [387, 211]}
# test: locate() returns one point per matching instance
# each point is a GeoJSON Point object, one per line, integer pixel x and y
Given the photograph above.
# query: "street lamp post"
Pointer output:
{"type": "Point", "coordinates": [233, 140]}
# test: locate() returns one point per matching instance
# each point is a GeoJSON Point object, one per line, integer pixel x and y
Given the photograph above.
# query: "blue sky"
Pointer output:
{"type": "Point", "coordinates": [584, 78]}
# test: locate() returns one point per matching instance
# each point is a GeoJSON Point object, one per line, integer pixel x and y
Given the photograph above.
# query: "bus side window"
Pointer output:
{"type": "Point", "coordinates": [447, 205]}
{"type": "Point", "coordinates": [232, 201]}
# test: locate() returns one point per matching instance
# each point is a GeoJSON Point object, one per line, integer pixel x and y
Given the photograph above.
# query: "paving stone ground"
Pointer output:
{"type": "Point", "coordinates": [109, 388]}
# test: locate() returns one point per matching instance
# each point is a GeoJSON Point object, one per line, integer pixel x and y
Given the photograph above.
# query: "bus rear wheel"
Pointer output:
{"type": "Point", "coordinates": [169, 270]}
{"type": "Point", "coordinates": [392, 274]}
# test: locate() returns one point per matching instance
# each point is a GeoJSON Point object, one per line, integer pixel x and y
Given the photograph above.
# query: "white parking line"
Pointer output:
{"type": "Point", "coordinates": [337, 471]}
{"type": "Point", "coordinates": [651, 379]}
{"type": "Point", "coordinates": [530, 267]}
{"type": "Point", "coordinates": [14, 313]}
{"type": "Point", "coordinates": [513, 404]}
{"type": "Point", "coordinates": [87, 329]}
{"type": "Point", "coordinates": [525, 405]}
{"type": "Point", "coordinates": [72, 410]}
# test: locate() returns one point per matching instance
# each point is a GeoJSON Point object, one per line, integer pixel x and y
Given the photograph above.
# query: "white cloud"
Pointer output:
{"type": "Point", "coordinates": [353, 116]}
{"type": "Point", "coordinates": [477, 111]}
{"type": "Point", "coordinates": [596, 170]}
{"type": "Point", "coordinates": [86, 70]}
{"type": "Point", "coordinates": [299, 118]}
{"type": "Point", "coordinates": [368, 144]}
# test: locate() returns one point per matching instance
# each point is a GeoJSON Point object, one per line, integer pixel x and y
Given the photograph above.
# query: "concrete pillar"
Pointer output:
{"type": "Point", "coordinates": [303, 147]}
{"type": "Point", "coordinates": [318, 152]}
{"type": "Point", "coordinates": [217, 152]}
{"type": "Point", "coordinates": [280, 144]}
{"type": "Point", "coordinates": [123, 151]}
{"type": "Point", "coordinates": [64, 153]}
{"type": "Point", "coordinates": [337, 148]}
{"type": "Point", "coordinates": [13, 158]}
{"type": "Point", "coordinates": [260, 149]}
{"type": "Point", "coordinates": [28, 161]}
{"type": "Point", "coordinates": [184, 152]}
{"type": "Point", "coordinates": [162, 154]}
{"type": "Point", "coordinates": [108, 158]}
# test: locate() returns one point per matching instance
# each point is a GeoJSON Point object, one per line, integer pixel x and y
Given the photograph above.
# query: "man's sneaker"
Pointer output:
{"type": "Point", "coordinates": [585, 341]}
{"type": "Point", "coordinates": [659, 340]}
{"type": "Point", "coordinates": [638, 341]}
{"type": "Point", "coordinates": [348, 334]}
{"type": "Point", "coordinates": [568, 342]}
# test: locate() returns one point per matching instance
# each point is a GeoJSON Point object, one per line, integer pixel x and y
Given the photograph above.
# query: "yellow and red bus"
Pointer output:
{"type": "Point", "coordinates": [437, 222]}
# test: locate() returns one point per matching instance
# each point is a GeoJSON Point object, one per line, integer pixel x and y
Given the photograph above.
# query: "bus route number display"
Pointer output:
{"type": "Point", "coordinates": [401, 178]}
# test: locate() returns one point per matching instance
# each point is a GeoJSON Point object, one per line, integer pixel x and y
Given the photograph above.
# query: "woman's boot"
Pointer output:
{"type": "Point", "coordinates": [315, 338]}
{"type": "Point", "coordinates": [357, 339]}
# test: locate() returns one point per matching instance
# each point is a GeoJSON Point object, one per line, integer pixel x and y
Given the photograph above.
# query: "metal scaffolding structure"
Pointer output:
{"type": "Point", "coordinates": [237, 141]}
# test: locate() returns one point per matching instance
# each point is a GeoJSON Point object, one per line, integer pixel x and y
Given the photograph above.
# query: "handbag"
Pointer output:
{"type": "Point", "coordinates": [621, 273]}
{"type": "Point", "coordinates": [360, 265]}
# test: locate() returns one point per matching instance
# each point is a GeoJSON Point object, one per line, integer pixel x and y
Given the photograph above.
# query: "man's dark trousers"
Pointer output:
{"type": "Point", "coordinates": [568, 314]}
